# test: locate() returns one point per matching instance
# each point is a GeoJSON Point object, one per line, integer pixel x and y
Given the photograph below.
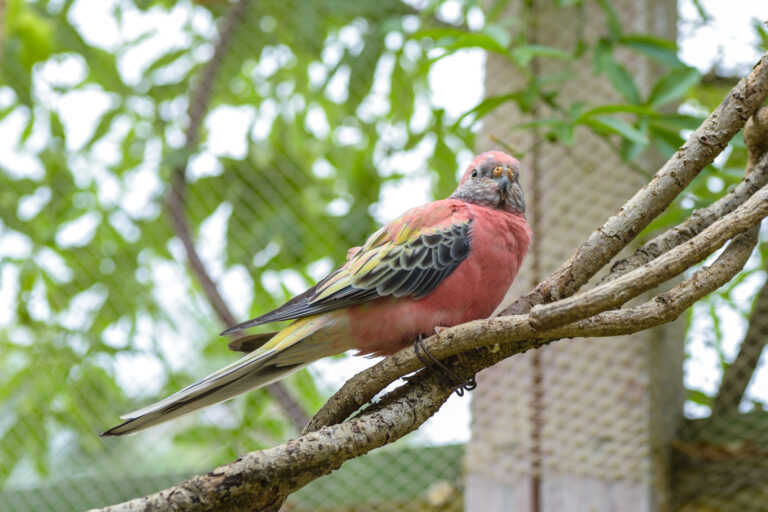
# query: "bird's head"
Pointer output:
{"type": "Point", "coordinates": [492, 180]}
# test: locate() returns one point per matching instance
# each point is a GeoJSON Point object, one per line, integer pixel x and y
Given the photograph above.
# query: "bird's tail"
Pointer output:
{"type": "Point", "coordinates": [291, 349]}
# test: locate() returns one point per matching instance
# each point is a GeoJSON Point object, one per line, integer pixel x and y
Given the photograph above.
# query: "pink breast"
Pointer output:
{"type": "Point", "coordinates": [498, 245]}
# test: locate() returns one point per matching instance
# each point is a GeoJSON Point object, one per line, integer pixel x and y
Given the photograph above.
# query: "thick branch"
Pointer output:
{"type": "Point", "coordinates": [198, 106]}
{"type": "Point", "coordinates": [261, 479]}
{"type": "Point", "coordinates": [663, 308]}
{"type": "Point", "coordinates": [652, 274]}
{"type": "Point", "coordinates": [755, 177]}
{"type": "Point", "coordinates": [702, 147]}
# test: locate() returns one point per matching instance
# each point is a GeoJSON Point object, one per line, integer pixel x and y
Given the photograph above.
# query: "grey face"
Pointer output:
{"type": "Point", "coordinates": [493, 184]}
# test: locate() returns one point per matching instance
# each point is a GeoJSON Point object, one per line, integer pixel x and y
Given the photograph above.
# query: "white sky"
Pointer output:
{"type": "Point", "coordinates": [457, 86]}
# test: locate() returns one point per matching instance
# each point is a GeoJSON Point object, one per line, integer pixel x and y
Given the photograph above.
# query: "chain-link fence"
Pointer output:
{"type": "Point", "coordinates": [171, 169]}
{"type": "Point", "coordinates": [168, 168]}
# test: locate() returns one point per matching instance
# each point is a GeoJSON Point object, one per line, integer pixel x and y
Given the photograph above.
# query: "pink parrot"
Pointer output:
{"type": "Point", "coordinates": [438, 265]}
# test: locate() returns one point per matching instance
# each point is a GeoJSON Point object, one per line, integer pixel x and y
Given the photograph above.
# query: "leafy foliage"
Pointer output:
{"type": "Point", "coordinates": [97, 119]}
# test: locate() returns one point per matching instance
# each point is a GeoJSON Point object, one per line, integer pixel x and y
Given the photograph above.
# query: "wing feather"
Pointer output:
{"type": "Point", "coordinates": [405, 258]}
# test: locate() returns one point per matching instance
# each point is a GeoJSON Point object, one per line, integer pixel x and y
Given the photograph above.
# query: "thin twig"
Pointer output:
{"type": "Point", "coordinates": [196, 110]}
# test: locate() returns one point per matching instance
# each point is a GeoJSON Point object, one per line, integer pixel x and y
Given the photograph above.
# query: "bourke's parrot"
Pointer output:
{"type": "Point", "coordinates": [438, 265]}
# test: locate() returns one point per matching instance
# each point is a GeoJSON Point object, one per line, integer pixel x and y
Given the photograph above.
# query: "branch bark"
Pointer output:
{"type": "Point", "coordinates": [650, 275]}
{"type": "Point", "coordinates": [700, 150]}
{"type": "Point", "coordinates": [736, 377]}
{"type": "Point", "coordinates": [262, 480]}
{"type": "Point", "coordinates": [198, 106]}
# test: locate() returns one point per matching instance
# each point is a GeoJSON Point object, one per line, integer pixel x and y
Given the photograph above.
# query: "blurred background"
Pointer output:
{"type": "Point", "coordinates": [170, 168]}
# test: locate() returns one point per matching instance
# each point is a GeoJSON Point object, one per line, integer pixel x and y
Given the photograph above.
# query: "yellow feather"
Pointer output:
{"type": "Point", "coordinates": [404, 235]}
{"type": "Point", "coordinates": [373, 262]}
{"type": "Point", "coordinates": [335, 284]}
{"type": "Point", "coordinates": [295, 332]}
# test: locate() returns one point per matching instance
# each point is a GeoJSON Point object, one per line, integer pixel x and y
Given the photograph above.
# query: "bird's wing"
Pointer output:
{"type": "Point", "coordinates": [409, 256]}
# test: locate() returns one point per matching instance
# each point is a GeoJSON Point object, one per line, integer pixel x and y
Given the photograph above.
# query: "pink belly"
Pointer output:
{"type": "Point", "coordinates": [472, 291]}
{"type": "Point", "coordinates": [386, 325]}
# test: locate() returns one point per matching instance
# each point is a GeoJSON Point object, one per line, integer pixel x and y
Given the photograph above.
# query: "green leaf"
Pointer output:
{"type": "Point", "coordinates": [454, 39]}
{"type": "Point", "coordinates": [102, 127]}
{"type": "Point", "coordinates": [622, 80]}
{"type": "Point", "coordinates": [672, 86]}
{"type": "Point", "coordinates": [477, 40]}
{"type": "Point", "coordinates": [522, 55]}
{"type": "Point", "coordinates": [616, 125]}
{"type": "Point", "coordinates": [602, 55]}
{"type": "Point", "coordinates": [699, 397]}
{"type": "Point", "coordinates": [167, 59]}
{"type": "Point", "coordinates": [762, 33]}
{"type": "Point", "coordinates": [611, 18]}
{"type": "Point", "coordinates": [659, 49]}
{"type": "Point", "coordinates": [616, 109]}
{"type": "Point", "coordinates": [524, 101]}
{"type": "Point", "coordinates": [363, 66]}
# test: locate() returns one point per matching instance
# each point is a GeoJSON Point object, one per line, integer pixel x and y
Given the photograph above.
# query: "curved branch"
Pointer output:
{"type": "Point", "coordinates": [652, 274]}
{"type": "Point", "coordinates": [198, 106]}
{"type": "Point", "coordinates": [702, 147]}
{"type": "Point", "coordinates": [755, 177]}
{"type": "Point", "coordinates": [259, 480]}
{"type": "Point", "coordinates": [262, 480]}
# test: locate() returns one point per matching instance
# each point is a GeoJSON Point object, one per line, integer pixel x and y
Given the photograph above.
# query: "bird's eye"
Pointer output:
{"type": "Point", "coordinates": [474, 173]}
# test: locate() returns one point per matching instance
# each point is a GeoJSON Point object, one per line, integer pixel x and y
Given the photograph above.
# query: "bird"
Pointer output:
{"type": "Point", "coordinates": [438, 265]}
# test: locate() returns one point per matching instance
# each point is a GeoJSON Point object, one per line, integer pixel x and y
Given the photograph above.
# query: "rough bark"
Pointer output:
{"type": "Point", "coordinates": [700, 150]}
{"type": "Point", "coordinates": [262, 480]}
{"type": "Point", "coordinates": [736, 377]}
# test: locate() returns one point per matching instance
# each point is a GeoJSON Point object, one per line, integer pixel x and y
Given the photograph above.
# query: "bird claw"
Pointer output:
{"type": "Point", "coordinates": [458, 385]}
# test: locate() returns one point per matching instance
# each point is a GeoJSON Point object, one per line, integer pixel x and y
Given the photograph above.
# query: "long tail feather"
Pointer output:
{"type": "Point", "coordinates": [291, 349]}
{"type": "Point", "coordinates": [251, 342]}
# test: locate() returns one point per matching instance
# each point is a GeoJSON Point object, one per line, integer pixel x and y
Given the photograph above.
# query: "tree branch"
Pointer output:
{"type": "Point", "coordinates": [756, 176]}
{"type": "Point", "coordinates": [262, 480]}
{"type": "Point", "coordinates": [198, 106]}
{"type": "Point", "coordinates": [702, 147]}
{"type": "Point", "coordinates": [650, 275]}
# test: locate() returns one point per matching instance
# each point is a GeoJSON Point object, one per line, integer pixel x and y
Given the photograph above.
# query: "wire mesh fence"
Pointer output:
{"type": "Point", "coordinates": [169, 167]}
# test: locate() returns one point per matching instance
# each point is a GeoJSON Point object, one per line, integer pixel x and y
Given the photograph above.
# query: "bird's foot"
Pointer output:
{"type": "Point", "coordinates": [458, 385]}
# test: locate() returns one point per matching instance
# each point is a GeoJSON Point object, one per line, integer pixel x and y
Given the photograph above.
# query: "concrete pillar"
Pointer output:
{"type": "Point", "coordinates": [582, 425]}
